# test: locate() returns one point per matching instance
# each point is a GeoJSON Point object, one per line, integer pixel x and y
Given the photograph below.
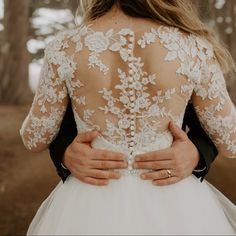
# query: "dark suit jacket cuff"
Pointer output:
{"type": "Point", "coordinates": [207, 155]}
{"type": "Point", "coordinates": [57, 150]}
{"type": "Point", "coordinates": [202, 168]}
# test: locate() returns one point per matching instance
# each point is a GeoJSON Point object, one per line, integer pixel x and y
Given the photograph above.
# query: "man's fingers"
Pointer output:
{"type": "Point", "coordinates": [156, 175]}
{"type": "Point", "coordinates": [98, 154]}
{"type": "Point", "coordinates": [155, 165]}
{"type": "Point", "coordinates": [101, 174]}
{"type": "Point", "coordinates": [177, 132]}
{"type": "Point", "coordinates": [160, 155]}
{"type": "Point", "coordinates": [93, 181]}
{"type": "Point", "coordinates": [86, 137]}
{"type": "Point", "coordinates": [108, 164]}
{"type": "Point", "coordinates": [164, 182]}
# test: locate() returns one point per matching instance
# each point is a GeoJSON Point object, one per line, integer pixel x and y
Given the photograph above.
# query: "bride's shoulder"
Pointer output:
{"type": "Point", "coordinates": [196, 44]}
{"type": "Point", "coordinates": [62, 41]}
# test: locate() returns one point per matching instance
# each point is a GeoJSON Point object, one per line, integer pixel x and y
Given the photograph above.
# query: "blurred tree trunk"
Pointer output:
{"type": "Point", "coordinates": [14, 86]}
{"type": "Point", "coordinates": [226, 28]}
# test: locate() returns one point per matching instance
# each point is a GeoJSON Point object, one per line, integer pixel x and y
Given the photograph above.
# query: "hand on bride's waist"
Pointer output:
{"type": "Point", "coordinates": [164, 167]}
{"type": "Point", "coordinates": [92, 166]}
{"type": "Point", "coordinates": [170, 165]}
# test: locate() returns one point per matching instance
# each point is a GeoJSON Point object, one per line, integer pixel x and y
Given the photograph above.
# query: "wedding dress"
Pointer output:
{"type": "Point", "coordinates": [129, 83]}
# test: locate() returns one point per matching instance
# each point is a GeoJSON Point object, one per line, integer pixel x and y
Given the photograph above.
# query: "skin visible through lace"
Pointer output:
{"type": "Point", "coordinates": [128, 83]}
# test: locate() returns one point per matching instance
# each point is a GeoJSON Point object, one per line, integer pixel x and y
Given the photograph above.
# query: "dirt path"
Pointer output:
{"type": "Point", "coordinates": [26, 179]}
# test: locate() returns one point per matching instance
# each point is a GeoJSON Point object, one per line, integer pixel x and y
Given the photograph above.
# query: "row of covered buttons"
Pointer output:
{"type": "Point", "coordinates": [132, 103]}
{"type": "Point", "coordinates": [132, 118]}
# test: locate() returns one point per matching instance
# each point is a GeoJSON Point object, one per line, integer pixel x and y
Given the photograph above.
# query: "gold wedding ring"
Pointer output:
{"type": "Point", "coordinates": [169, 173]}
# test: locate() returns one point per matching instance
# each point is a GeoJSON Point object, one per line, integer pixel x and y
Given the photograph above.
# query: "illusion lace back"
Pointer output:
{"type": "Point", "coordinates": [129, 85]}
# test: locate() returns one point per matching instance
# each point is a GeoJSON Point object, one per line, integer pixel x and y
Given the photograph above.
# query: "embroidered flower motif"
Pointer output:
{"type": "Point", "coordinates": [115, 110]}
{"type": "Point", "coordinates": [137, 85]}
{"type": "Point", "coordinates": [124, 123]}
{"type": "Point", "coordinates": [219, 126]}
{"type": "Point", "coordinates": [124, 99]}
{"type": "Point", "coordinates": [97, 42]}
{"type": "Point", "coordinates": [142, 102]}
{"type": "Point", "coordinates": [148, 38]}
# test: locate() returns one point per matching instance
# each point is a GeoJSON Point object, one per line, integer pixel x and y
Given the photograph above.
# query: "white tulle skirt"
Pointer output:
{"type": "Point", "coordinates": [132, 206]}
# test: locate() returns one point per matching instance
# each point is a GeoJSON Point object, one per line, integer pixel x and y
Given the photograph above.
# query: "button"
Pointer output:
{"type": "Point", "coordinates": [132, 133]}
{"type": "Point", "coordinates": [132, 122]}
{"type": "Point", "coordinates": [130, 46]}
{"type": "Point", "coordinates": [132, 127]}
{"type": "Point", "coordinates": [131, 92]}
{"type": "Point", "coordinates": [131, 143]}
{"type": "Point", "coordinates": [132, 104]}
{"type": "Point", "coordinates": [130, 157]}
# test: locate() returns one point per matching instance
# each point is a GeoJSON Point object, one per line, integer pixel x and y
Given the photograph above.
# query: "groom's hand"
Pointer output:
{"type": "Point", "coordinates": [90, 165]}
{"type": "Point", "coordinates": [169, 166]}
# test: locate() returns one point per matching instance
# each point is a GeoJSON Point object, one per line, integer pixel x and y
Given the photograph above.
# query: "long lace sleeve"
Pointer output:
{"type": "Point", "coordinates": [43, 121]}
{"type": "Point", "coordinates": [214, 107]}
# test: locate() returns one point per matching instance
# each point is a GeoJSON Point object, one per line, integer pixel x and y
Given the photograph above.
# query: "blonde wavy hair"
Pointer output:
{"type": "Point", "coordinates": [176, 13]}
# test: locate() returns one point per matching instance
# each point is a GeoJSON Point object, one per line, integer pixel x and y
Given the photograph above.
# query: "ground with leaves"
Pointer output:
{"type": "Point", "coordinates": [26, 179]}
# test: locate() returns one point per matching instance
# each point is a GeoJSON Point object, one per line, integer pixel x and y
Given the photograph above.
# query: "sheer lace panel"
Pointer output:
{"type": "Point", "coordinates": [215, 109]}
{"type": "Point", "coordinates": [50, 101]}
{"type": "Point", "coordinates": [128, 83]}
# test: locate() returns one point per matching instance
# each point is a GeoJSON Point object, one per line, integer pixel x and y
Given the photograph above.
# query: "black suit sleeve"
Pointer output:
{"type": "Point", "coordinates": [64, 138]}
{"type": "Point", "coordinates": [200, 139]}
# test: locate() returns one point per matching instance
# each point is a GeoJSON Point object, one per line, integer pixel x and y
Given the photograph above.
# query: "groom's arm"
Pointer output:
{"type": "Point", "coordinates": [200, 139]}
{"type": "Point", "coordinates": [64, 138]}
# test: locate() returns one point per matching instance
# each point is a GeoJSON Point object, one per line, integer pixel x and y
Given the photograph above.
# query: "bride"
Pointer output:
{"type": "Point", "coordinates": [130, 69]}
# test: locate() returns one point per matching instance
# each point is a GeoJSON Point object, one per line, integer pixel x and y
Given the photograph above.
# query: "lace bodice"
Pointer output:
{"type": "Point", "coordinates": [129, 84]}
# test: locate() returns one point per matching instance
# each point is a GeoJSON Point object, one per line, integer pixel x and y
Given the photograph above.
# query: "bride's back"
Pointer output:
{"type": "Point", "coordinates": [128, 77]}
{"type": "Point", "coordinates": [126, 81]}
